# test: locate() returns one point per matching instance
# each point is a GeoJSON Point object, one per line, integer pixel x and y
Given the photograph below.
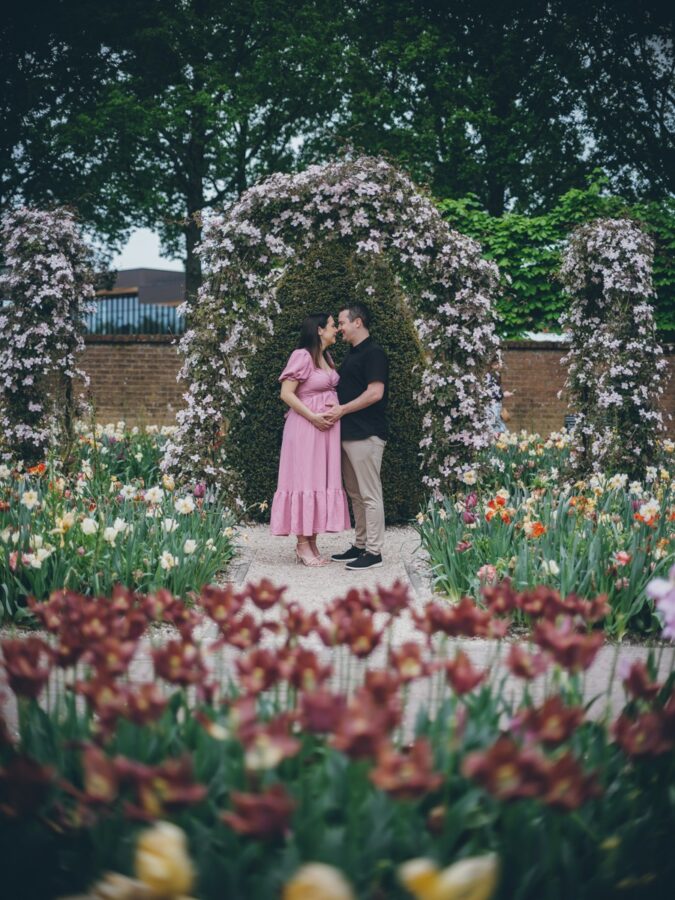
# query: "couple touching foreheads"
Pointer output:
{"type": "Point", "coordinates": [336, 430]}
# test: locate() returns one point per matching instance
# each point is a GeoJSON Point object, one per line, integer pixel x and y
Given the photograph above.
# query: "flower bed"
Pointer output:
{"type": "Point", "coordinates": [114, 520]}
{"type": "Point", "coordinates": [522, 521]}
{"type": "Point", "coordinates": [267, 765]}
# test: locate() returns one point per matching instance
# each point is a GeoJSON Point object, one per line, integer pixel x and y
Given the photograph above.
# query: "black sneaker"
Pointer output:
{"type": "Point", "coordinates": [352, 553]}
{"type": "Point", "coordinates": [366, 561]}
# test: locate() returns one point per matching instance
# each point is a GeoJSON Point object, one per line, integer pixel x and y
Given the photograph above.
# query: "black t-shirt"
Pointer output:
{"type": "Point", "coordinates": [365, 363]}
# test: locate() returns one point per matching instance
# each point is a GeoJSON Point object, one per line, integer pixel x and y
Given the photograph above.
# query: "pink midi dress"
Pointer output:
{"type": "Point", "coordinates": [309, 498]}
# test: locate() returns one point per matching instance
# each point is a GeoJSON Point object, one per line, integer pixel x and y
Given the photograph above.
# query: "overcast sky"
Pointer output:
{"type": "Point", "coordinates": [142, 252]}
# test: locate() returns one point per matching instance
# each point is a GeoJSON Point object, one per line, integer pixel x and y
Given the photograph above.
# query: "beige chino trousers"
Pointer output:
{"type": "Point", "coordinates": [361, 464]}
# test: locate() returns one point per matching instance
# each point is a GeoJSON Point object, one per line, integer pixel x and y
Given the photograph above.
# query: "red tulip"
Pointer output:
{"type": "Point", "coordinates": [265, 816]}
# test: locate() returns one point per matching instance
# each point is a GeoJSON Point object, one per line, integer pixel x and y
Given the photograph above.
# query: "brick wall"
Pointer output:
{"type": "Point", "coordinates": [533, 372]}
{"type": "Point", "coordinates": [134, 378]}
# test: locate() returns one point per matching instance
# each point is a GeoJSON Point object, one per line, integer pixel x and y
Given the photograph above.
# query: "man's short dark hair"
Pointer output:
{"type": "Point", "coordinates": [359, 311]}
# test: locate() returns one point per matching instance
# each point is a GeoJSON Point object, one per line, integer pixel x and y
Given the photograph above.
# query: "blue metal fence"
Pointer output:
{"type": "Point", "coordinates": [123, 314]}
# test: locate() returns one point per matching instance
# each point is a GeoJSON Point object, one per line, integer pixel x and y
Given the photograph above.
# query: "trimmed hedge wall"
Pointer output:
{"type": "Point", "coordinates": [326, 281]}
{"type": "Point", "coordinates": [528, 251]}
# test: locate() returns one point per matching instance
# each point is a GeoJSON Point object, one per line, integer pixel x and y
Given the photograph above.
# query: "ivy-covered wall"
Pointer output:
{"type": "Point", "coordinates": [528, 250]}
{"type": "Point", "coordinates": [327, 280]}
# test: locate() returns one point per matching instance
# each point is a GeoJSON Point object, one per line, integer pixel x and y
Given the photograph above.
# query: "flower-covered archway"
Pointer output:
{"type": "Point", "coordinates": [375, 209]}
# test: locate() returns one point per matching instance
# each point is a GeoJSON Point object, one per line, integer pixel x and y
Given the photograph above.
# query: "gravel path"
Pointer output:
{"type": "Point", "coordinates": [267, 556]}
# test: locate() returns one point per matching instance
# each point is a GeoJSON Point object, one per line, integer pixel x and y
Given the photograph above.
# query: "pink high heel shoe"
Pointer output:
{"type": "Point", "coordinates": [314, 562]}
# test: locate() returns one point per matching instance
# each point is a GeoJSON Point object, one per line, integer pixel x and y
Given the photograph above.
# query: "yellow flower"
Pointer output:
{"type": "Point", "coordinates": [419, 876]}
{"type": "Point", "coordinates": [469, 879]}
{"type": "Point", "coordinates": [162, 862]}
{"type": "Point", "coordinates": [317, 881]}
{"type": "Point", "coordinates": [168, 482]}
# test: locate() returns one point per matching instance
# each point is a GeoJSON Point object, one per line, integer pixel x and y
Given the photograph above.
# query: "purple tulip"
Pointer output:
{"type": "Point", "coordinates": [471, 500]}
{"type": "Point", "coordinates": [468, 517]}
{"type": "Point", "coordinates": [636, 504]}
{"type": "Point", "coordinates": [199, 489]}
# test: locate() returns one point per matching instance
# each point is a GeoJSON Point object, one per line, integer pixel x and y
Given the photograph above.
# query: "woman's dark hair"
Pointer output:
{"type": "Point", "coordinates": [309, 337]}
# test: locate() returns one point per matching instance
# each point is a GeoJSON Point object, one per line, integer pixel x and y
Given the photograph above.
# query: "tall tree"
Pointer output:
{"type": "Point", "coordinates": [186, 103]}
{"type": "Point", "coordinates": [467, 95]}
{"type": "Point", "coordinates": [621, 66]}
{"type": "Point", "coordinates": [52, 68]}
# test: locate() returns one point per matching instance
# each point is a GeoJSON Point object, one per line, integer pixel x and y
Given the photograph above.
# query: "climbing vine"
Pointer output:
{"type": "Point", "coordinates": [615, 363]}
{"type": "Point", "coordinates": [46, 288]}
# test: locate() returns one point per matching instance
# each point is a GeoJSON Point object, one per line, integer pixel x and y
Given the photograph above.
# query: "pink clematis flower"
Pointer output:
{"type": "Point", "coordinates": [662, 592]}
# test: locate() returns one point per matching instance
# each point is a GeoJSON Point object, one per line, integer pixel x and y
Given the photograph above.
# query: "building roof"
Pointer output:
{"type": "Point", "coordinates": [151, 285]}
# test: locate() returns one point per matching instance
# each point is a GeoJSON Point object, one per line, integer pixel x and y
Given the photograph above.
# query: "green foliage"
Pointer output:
{"type": "Point", "coordinates": [326, 281]}
{"type": "Point", "coordinates": [140, 112]}
{"type": "Point", "coordinates": [528, 250]}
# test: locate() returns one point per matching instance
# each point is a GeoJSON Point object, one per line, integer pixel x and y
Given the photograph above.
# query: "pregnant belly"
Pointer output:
{"type": "Point", "coordinates": [320, 402]}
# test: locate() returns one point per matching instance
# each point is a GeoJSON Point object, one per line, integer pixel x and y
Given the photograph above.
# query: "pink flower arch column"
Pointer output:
{"type": "Point", "coordinates": [615, 364]}
{"type": "Point", "coordinates": [47, 288]}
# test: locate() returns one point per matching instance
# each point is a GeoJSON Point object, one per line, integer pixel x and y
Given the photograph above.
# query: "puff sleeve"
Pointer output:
{"type": "Point", "coordinates": [299, 366]}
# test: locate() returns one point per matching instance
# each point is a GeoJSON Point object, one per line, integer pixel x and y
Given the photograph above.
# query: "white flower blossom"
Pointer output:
{"type": "Point", "coordinates": [154, 495]}
{"type": "Point", "coordinates": [30, 499]}
{"type": "Point", "coordinates": [184, 505]}
{"type": "Point", "coordinates": [168, 561]}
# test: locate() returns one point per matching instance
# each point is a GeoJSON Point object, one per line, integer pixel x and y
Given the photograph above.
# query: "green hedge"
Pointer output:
{"type": "Point", "coordinates": [326, 281]}
{"type": "Point", "coordinates": [527, 249]}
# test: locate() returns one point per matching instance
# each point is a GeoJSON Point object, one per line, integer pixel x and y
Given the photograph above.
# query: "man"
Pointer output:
{"type": "Point", "coordinates": [362, 393]}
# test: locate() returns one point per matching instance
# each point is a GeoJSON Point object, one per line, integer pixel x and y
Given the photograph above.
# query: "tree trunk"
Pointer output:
{"type": "Point", "coordinates": [195, 202]}
{"type": "Point", "coordinates": [495, 199]}
{"type": "Point", "coordinates": [193, 235]}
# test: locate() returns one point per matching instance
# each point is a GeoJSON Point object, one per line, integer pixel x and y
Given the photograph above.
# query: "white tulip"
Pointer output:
{"type": "Point", "coordinates": [89, 526]}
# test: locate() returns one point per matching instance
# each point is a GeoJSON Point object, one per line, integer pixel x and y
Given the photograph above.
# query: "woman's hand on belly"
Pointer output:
{"type": "Point", "coordinates": [320, 421]}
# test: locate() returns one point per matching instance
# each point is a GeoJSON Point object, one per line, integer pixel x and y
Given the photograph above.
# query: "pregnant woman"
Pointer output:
{"type": "Point", "coordinates": [309, 499]}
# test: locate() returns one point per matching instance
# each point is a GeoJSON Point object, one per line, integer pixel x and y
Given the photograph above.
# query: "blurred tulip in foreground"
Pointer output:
{"type": "Point", "coordinates": [162, 862]}
{"type": "Point", "coordinates": [468, 879]}
{"type": "Point", "coordinates": [317, 881]}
